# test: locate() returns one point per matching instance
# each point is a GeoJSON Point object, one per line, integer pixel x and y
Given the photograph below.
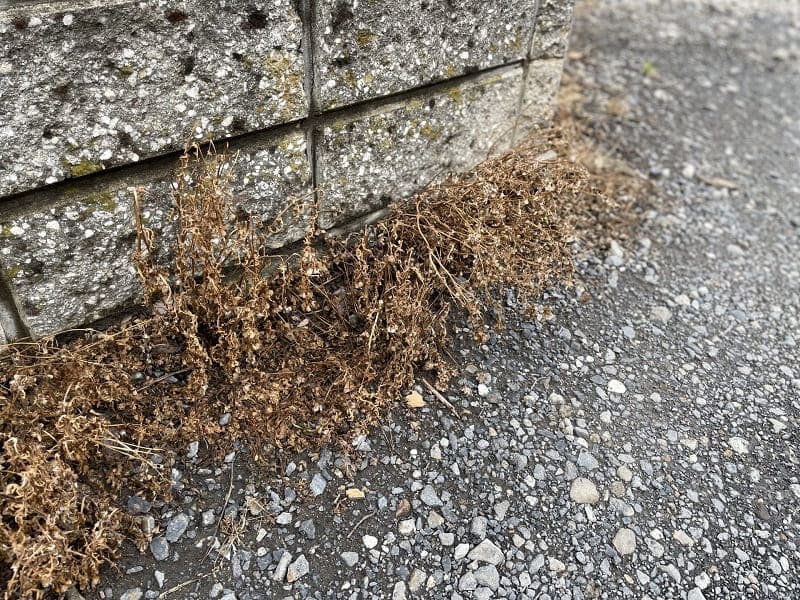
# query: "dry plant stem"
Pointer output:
{"type": "Point", "coordinates": [441, 398]}
{"type": "Point", "coordinates": [227, 499]}
{"type": "Point", "coordinates": [180, 586]}
{"type": "Point", "coordinates": [360, 522]}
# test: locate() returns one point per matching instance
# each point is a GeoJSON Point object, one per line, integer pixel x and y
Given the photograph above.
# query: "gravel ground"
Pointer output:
{"type": "Point", "coordinates": [641, 443]}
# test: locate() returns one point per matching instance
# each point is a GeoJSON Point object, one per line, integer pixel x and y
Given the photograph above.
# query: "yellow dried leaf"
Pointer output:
{"type": "Point", "coordinates": [414, 400]}
{"type": "Point", "coordinates": [355, 494]}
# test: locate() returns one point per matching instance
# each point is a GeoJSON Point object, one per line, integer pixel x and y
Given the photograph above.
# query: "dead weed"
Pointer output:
{"type": "Point", "coordinates": [302, 350]}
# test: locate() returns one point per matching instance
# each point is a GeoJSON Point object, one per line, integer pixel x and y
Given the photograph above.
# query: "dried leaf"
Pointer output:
{"type": "Point", "coordinates": [403, 509]}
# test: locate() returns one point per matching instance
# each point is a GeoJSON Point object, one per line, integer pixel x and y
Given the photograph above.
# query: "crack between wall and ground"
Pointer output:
{"type": "Point", "coordinates": [526, 67]}
{"type": "Point", "coordinates": [13, 325]}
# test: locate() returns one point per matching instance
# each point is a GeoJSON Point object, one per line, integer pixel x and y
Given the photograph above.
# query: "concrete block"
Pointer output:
{"type": "Point", "coordinates": [553, 24]}
{"type": "Point", "coordinates": [69, 264]}
{"type": "Point", "coordinates": [10, 325]}
{"type": "Point", "coordinates": [97, 84]}
{"type": "Point", "coordinates": [390, 154]}
{"type": "Point", "coordinates": [541, 88]}
{"type": "Point", "coordinates": [376, 47]}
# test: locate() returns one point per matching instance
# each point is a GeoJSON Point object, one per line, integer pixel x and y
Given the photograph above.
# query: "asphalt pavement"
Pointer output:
{"type": "Point", "coordinates": [644, 442]}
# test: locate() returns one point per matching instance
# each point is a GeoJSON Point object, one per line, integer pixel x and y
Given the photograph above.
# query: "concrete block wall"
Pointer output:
{"type": "Point", "coordinates": [356, 101]}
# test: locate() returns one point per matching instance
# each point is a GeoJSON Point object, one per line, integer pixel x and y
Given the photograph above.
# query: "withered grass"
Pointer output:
{"type": "Point", "coordinates": [303, 350]}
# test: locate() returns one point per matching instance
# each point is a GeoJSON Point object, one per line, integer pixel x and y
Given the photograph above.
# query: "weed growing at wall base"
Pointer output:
{"type": "Point", "coordinates": [302, 350]}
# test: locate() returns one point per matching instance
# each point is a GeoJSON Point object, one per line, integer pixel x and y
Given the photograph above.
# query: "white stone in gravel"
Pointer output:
{"type": "Point", "coordinates": [583, 491]}
{"type": "Point", "coordinates": [399, 591]}
{"type": "Point", "coordinates": [478, 527]}
{"type": "Point", "coordinates": [369, 541]}
{"type": "Point", "coordinates": [483, 390]}
{"type": "Point", "coordinates": [695, 594]}
{"type": "Point", "coordinates": [661, 314]}
{"type": "Point", "coordinates": [775, 566]}
{"type": "Point", "coordinates": [297, 569]}
{"type": "Point", "coordinates": [350, 558]}
{"type": "Point", "coordinates": [605, 417]}
{"type": "Point", "coordinates": [176, 527]}
{"type": "Point", "coordinates": [191, 451]}
{"type": "Point", "coordinates": [587, 461]}
{"type": "Point", "coordinates": [280, 569]}
{"type": "Point", "coordinates": [739, 444]}
{"type": "Point", "coordinates": [625, 474]}
{"type": "Point", "coordinates": [556, 566]}
{"type": "Point", "coordinates": [488, 576]}
{"type": "Point", "coordinates": [435, 519]}
{"type": "Point", "coordinates": [500, 509]}
{"type": "Point", "coordinates": [467, 583]}
{"type": "Point", "coordinates": [160, 548]}
{"type": "Point", "coordinates": [446, 539]}
{"type": "Point", "coordinates": [284, 518]}
{"type": "Point", "coordinates": [132, 594]}
{"type": "Point", "coordinates": [795, 487]}
{"type": "Point", "coordinates": [536, 564]}
{"type": "Point", "coordinates": [159, 575]}
{"type": "Point", "coordinates": [741, 554]}
{"type": "Point", "coordinates": [625, 541]}
{"type": "Point", "coordinates": [682, 537]}
{"type": "Point", "coordinates": [318, 484]}
{"type": "Point", "coordinates": [487, 552]}
{"type": "Point", "coordinates": [615, 386]}
{"type": "Point", "coordinates": [702, 581]}
{"type": "Point", "coordinates": [460, 551]}
{"type": "Point", "coordinates": [777, 426]}
{"type": "Point", "coordinates": [672, 571]}
{"type": "Point", "coordinates": [524, 580]}
{"type": "Point", "coordinates": [429, 497]}
{"type": "Point", "coordinates": [416, 580]}
{"type": "Point", "coordinates": [656, 548]}
{"type": "Point", "coordinates": [615, 249]}
{"type": "Point", "coordinates": [407, 527]}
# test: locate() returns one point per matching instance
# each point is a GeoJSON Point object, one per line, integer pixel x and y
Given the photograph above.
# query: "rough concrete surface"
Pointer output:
{"type": "Point", "coordinates": [553, 21]}
{"type": "Point", "coordinates": [389, 155]}
{"type": "Point", "coordinates": [668, 380]}
{"type": "Point", "coordinates": [88, 88]}
{"type": "Point", "coordinates": [374, 48]}
{"type": "Point", "coordinates": [541, 83]}
{"type": "Point", "coordinates": [51, 255]}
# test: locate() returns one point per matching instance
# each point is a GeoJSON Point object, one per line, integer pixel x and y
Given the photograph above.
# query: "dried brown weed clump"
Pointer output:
{"type": "Point", "coordinates": [302, 349]}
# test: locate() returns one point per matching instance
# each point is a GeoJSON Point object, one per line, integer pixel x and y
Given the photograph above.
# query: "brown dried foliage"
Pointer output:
{"type": "Point", "coordinates": [303, 349]}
